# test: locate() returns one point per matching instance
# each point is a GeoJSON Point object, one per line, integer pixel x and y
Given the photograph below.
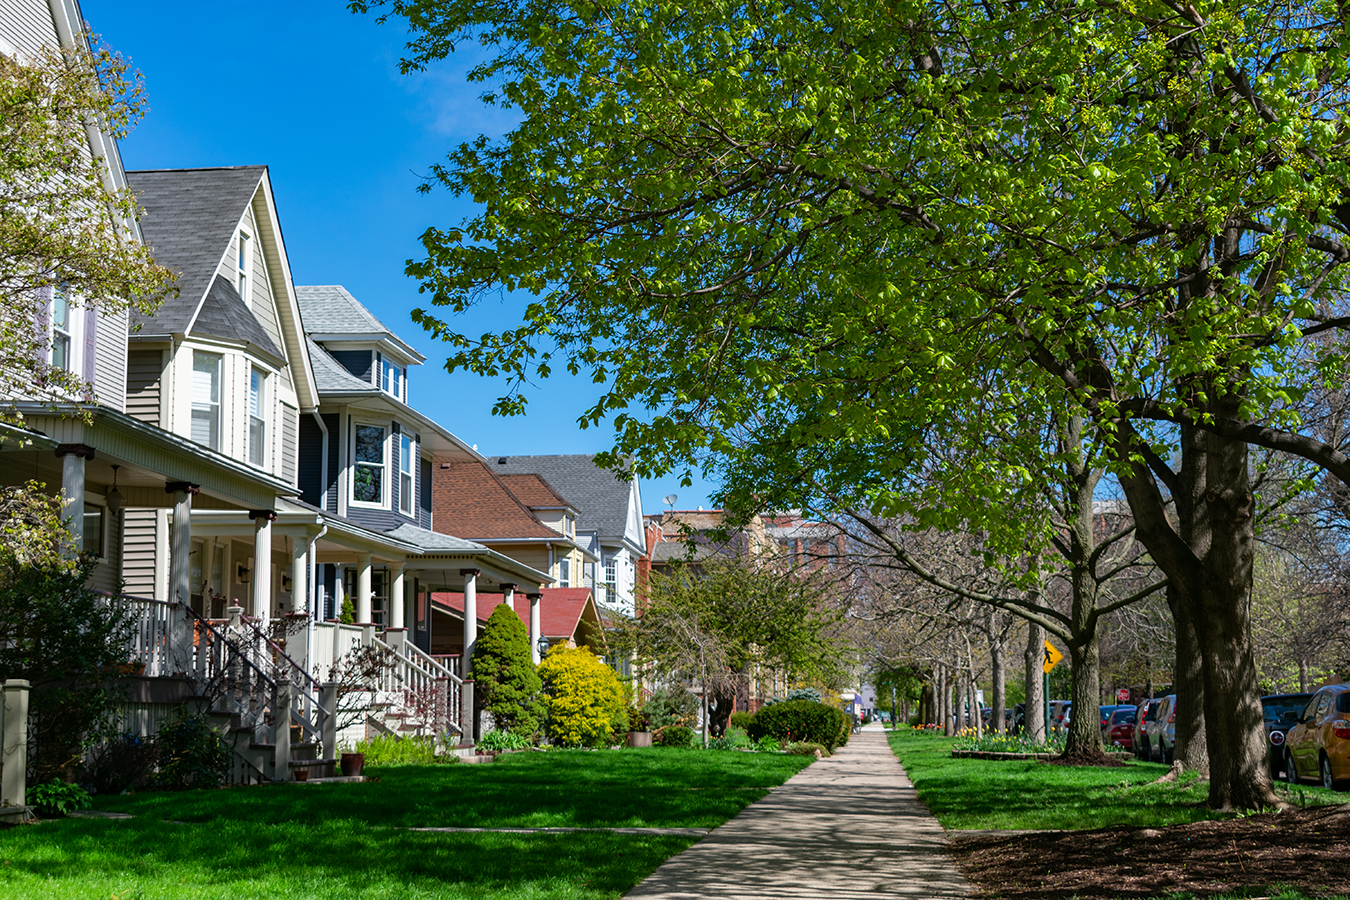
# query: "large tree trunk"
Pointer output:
{"type": "Point", "coordinates": [997, 674]}
{"type": "Point", "coordinates": [1188, 683]}
{"type": "Point", "coordinates": [944, 704]}
{"type": "Point", "coordinates": [1033, 659]}
{"type": "Point", "coordinates": [1085, 733]}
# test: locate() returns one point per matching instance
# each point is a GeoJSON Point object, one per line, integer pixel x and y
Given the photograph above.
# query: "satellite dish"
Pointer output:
{"type": "Point", "coordinates": [669, 500]}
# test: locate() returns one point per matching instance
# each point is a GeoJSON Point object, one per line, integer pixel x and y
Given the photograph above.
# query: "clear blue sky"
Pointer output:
{"type": "Point", "coordinates": [313, 92]}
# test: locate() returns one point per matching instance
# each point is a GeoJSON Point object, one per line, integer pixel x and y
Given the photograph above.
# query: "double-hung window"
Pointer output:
{"type": "Point", "coordinates": [257, 417]}
{"type": "Point", "coordinates": [564, 573]}
{"type": "Point", "coordinates": [405, 474]}
{"type": "Point", "coordinates": [391, 378]}
{"type": "Point", "coordinates": [61, 332]}
{"type": "Point", "coordinates": [369, 471]}
{"type": "Point", "coordinates": [243, 263]}
{"type": "Point", "coordinates": [206, 399]}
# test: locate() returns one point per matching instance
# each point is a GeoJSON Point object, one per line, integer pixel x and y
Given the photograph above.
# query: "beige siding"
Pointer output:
{"type": "Point", "coordinates": [290, 443]}
{"type": "Point", "coordinates": [141, 540]}
{"type": "Point", "coordinates": [105, 577]}
{"type": "Point", "coordinates": [145, 369]}
{"type": "Point", "coordinates": [110, 361]}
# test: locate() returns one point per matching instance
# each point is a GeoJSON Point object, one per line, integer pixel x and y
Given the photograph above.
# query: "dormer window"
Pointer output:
{"type": "Point", "coordinates": [244, 264]}
{"type": "Point", "coordinates": [391, 378]}
{"type": "Point", "coordinates": [257, 417]}
{"type": "Point", "coordinates": [569, 526]}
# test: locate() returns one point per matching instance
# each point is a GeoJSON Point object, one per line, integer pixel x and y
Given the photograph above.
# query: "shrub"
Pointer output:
{"type": "Point", "coordinates": [56, 798]}
{"type": "Point", "coordinates": [191, 755]}
{"type": "Point", "coordinates": [123, 762]}
{"type": "Point", "coordinates": [671, 706]}
{"type": "Point", "coordinates": [805, 748]}
{"type": "Point", "coordinates": [805, 693]}
{"type": "Point", "coordinates": [391, 750]}
{"type": "Point", "coordinates": [500, 739]}
{"type": "Point", "coordinates": [637, 719]}
{"type": "Point", "coordinates": [680, 736]}
{"type": "Point", "coordinates": [802, 720]}
{"type": "Point", "coordinates": [584, 698]}
{"type": "Point", "coordinates": [732, 739]}
{"type": "Point", "coordinates": [506, 682]}
{"type": "Point", "coordinates": [740, 720]}
{"type": "Point", "coordinates": [768, 745]}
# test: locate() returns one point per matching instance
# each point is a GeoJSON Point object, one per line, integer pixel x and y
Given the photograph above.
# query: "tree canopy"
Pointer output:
{"type": "Point", "coordinates": [804, 236]}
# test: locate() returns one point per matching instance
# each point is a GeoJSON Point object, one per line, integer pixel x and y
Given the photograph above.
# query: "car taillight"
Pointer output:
{"type": "Point", "coordinates": [1172, 718]}
{"type": "Point", "coordinates": [1341, 728]}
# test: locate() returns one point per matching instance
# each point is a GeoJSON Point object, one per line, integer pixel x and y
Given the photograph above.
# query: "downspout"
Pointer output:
{"type": "Point", "coordinates": [313, 596]}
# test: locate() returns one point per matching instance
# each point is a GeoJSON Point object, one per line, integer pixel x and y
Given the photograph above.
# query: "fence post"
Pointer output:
{"type": "Point", "coordinates": [281, 726]}
{"type": "Point", "coordinates": [440, 725]}
{"type": "Point", "coordinates": [14, 744]}
{"type": "Point", "coordinates": [329, 700]}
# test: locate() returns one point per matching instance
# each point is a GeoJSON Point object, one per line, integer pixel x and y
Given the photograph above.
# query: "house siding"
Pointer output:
{"type": "Point", "coordinates": [145, 370]}
{"type": "Point", "coordinates": [140, 537]}
{"type": "Point", "coordinates": [359, 362]}
{"type": "Point", "coordinates": [333, 422]}
{"type": "Point", "coordinates": [310, 466]}
{"type": "Point", "coordinates": [107, 575]}
{"type": "Point", "coordinates": [27, 24]}
{"type": "Point", "coordinates": [290, 443]}
{"type": "Point", "coordinates": [110, 360]}
{"type": "Point", "coordinates": [424, 495]}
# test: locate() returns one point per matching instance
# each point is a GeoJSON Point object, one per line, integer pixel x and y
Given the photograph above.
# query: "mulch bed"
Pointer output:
{"type": "Point", "coordinates": [1309, 849]}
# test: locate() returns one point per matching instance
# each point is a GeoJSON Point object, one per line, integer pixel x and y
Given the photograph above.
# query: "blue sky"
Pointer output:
{"type": "Point", "coordinates": [313, 92]}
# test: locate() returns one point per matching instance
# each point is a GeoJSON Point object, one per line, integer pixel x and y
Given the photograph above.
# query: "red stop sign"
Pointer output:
{"type": "Point", "coordinates": [1123, 695]}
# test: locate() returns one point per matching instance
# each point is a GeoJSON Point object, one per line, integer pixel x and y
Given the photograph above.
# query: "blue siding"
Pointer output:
{"type": "Point", "coordinates": [358, 362]}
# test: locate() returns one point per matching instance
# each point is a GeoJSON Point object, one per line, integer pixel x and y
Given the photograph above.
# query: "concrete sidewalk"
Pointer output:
{"type": "Point", "coordinates": [850, 826]}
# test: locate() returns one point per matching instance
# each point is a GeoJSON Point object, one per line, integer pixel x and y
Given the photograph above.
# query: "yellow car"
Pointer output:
{"type": "Point", "coordinates": [1318, 747]}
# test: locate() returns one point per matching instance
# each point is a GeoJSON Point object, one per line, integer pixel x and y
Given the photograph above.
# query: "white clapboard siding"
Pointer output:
{"type": "Point", "coordinates": [290, 443]}
{"type": "Point", "coordinates": [27, 24]}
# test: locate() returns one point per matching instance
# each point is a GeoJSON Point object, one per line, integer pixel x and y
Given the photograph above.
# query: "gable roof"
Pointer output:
{"type": "Point", "coordinates": [561, 610]}
{"type": "Point", "coordinates": [600, 499]}
{"type": "Point", "coordinates": [190, 216]}
{"type": "Point", "coordinates": [469, 500]}
{"type": "Point", "coordinates": [330, 309]}
{"type": "Point", "coordinates": [534, 491]}
{"type": "Point", "coordinates": [224, 314]}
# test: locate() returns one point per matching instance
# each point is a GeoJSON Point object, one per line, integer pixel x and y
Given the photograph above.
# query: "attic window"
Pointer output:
{"type": "Point", "coordinates": [243, 264]}
{"type": "Point", "coordinates": [391, 378]}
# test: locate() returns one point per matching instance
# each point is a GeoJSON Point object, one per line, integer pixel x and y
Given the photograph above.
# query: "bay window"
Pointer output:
{"type": "Point", "coordinates": [405, 475]}
{"type": "Point", "coordinates": [368, 472]}
{"type": "Point", "coordinates": [257, 417]}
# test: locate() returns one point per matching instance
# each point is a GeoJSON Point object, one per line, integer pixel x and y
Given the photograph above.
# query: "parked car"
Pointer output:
{"type": "Point", "coordinates": [1146, 712]}
{"type": "Point", "coordinates": [1318, 747]}
{"type": "Point", "coordinates": [1280, 712]}
{"type": "Point", "coordinates": [1106, 710]}
{"type": "Point", "coordinates": [1162, 730]}
{"type": "Point", "coordinates": [1119, 729]}
{"type": "Point", "coordinates": [1059, 711]}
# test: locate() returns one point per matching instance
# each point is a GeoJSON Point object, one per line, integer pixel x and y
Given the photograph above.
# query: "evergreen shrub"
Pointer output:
{"type": "Point", "coordinates": [680, 736]}
{"type": "Point", "coordinates": [506, 682]}
{"type": "Point", "coordinates": [740, 720]}
{"type": "Point", "coordinates": [802, 720]}
{"type": "Point", "coordinates": [191, 755]}
{"type": "Point", "coordinates": [670, 706]}
{"type": "Point", "coordinates": [584, 698]}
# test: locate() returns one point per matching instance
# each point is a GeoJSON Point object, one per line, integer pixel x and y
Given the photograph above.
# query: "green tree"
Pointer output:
{"type": "Point", "coordinates": [725, 620]}
{"type": "Point", "coordinates": [796, 233]}
{"type": "Point", "coordinates": [506, 682]}
{"type": "Point", "coordinates": [64, 223]}
{"type": "Point", "coordinates": [67, 641]}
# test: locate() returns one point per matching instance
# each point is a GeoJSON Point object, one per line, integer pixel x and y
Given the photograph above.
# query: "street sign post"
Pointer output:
{"type": "Point", "coordinates": [1052, 657]}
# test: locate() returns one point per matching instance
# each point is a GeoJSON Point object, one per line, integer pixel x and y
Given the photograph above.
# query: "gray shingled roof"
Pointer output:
{"type": "Point", "coordinates": [331, 309]}
{"type": "Point", "coordinates": [432, 541]}
{"type": "Point", "coordinates": [224, 314]}
{"type": "Point", "coordinates": [331, 377]}
{"type": "Point", "coordinates": [600, 499]}
{"type": "Point", "coordinates": [190, 217]}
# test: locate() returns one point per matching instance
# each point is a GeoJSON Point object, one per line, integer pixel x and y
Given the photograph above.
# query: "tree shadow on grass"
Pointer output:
{"type": "Point", "coordinates": [341, 858]}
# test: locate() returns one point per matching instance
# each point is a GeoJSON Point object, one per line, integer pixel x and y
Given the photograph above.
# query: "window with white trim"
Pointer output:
{"type": "Point", "coordinates": [95, 530]}
{"type": "Point", "coordinates": [370, 466]}
{"type": "Point", "coordinates": [244, 263]}
{"type": "Point", "coordinates": [206, 399]}
{"type": "Point", "coordinates": [391, 378]}
{"type": "Point", "coordinates": [405, 474]}
{"type": "Point", "coordinates": [564, 573]}
{"type": "Point", "coordinates": [62, 332]}
{"type": "Point", "coordinates": [257, 417]}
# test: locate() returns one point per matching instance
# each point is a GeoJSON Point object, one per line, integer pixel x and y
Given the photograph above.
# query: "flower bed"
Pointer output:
{"type": "Point", "coordinates": [1010, 755]}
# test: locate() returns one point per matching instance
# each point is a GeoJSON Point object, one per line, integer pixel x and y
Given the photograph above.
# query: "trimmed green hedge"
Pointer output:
{"type": "Point", "coordinates": [802, 720]}
{"type": "Point", "coordinates": [741, 720]}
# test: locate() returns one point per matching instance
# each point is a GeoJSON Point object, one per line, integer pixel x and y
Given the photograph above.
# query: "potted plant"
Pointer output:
{"type": "Point", "coordinates": [639, 734]}
{"type": "Point", "coordinates": [352, 763]}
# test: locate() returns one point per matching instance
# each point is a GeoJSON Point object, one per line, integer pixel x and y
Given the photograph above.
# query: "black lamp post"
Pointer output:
{"type": "Point", "coordinates": [543, 647]}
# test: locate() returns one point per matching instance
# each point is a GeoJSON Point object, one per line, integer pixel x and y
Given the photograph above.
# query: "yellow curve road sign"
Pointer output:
{"type": "Point", "coordinates": [1052, 657]}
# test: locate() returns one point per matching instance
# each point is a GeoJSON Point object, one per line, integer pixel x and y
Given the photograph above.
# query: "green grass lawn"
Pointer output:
{"type": "Point", "coordinates": [349, 840]}
{"type": "Point", "coordinates": [980, 794]}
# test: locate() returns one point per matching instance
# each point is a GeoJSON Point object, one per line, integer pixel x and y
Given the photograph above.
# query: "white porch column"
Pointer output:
{"type": "Point", "coordinates": [396, 598]}
{"type": "Point", "coordinates": [470, 620]}
{"type": "Point", "coordinates": [534, 627]}
{"type": "Point", "coordinates": [364, 616]}
{"type": "Point", "coordinates": [509, 595]}
{"type": "Point", "coordinates": [261, 576]}
{"type": "Point", "coordinates": [299, 575]}
{"type": "Point", "coordinates": [180, 649]}
{"type": "Point", "coordinates": [72, 458]}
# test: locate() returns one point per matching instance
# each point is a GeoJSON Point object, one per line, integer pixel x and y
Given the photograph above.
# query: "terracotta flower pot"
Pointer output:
{"type": "Point", "coordinates": [353, 763]}
{"type": "Point", "coordinates": [302, 774]}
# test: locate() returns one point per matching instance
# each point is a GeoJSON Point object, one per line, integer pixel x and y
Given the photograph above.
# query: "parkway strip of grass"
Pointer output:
{"type": "Point", "coordinates": [351, 840]}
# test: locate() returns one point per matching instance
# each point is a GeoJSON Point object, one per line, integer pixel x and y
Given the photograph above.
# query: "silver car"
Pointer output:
{"type": "Point", "coordinates": [1161, 730]}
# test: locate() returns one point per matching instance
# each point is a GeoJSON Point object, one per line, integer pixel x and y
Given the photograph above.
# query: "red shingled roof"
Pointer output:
{"type": "Point", "coordinates": [534, 491]}
{"type": "Point", "coordinates": [560, 609]}
{"type": "Point", "coordinates": [470, 501]}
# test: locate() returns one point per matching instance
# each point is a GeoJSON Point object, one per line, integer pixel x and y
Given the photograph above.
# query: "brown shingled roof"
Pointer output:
{"type": "Point", "coordinates": [534, 491]}
{"type": "Point", "coordinates": [470, 501]}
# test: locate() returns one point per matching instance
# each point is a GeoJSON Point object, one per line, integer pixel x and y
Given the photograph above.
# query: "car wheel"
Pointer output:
{"type": "Point", "coordinates": [1327, 781]}
{"type": "Point", "coordinates": [1290, 773]}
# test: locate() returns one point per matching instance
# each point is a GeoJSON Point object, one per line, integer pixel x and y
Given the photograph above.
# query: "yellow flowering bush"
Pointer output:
{"type": "Point", "coordinates": [586, 702]}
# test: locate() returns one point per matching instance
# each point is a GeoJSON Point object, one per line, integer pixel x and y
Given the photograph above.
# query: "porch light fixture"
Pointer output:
{"type": "Point", "coordinates": [543, 646]}
{"type": "Point", "coordinates": [241, 574]}
{"type": "Point", "coordinates": [114, 497]}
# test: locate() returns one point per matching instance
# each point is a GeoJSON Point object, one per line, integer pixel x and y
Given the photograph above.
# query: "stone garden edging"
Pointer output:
{"type": "Point", "coordinates": [1003, 755]}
